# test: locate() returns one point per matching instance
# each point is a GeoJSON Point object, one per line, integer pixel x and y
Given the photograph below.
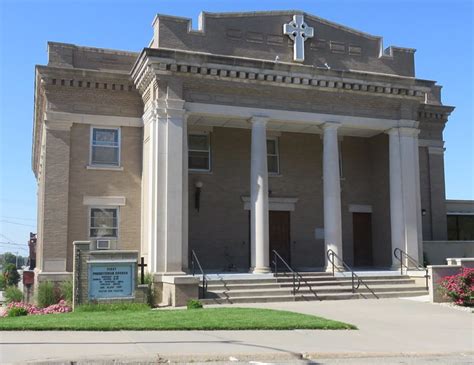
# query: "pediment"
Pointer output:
{"type": "Point", "coordinates": [259, 35]}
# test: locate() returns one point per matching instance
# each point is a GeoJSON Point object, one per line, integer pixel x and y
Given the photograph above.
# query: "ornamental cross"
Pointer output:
{"type": "Point", "coordinates": [298, 31]}
{"type": "Point", "coordinates": [142, 266]}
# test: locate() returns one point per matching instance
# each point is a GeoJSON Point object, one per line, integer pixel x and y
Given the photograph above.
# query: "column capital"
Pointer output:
{"type": "Point", "coordinates": [403, 131]}
{"type": "Point", "coordinates": [262, 119]}
{"type": "Point", "coordinates": [392, 132]}
{"type": "Point", "coordinates": [330, 125]}
{"type": "Point", "coordinates": [436, 150]}
{"type": "Point", "coordinates": [409, 132]}
{"type": "Point", "coordinates": [165, 108]}
{"type": "Point", "coordinates": [58, 125]}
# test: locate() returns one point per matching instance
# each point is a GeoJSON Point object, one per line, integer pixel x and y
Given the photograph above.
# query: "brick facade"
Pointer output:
{"type": "Point", "coordinates": [228, 67]}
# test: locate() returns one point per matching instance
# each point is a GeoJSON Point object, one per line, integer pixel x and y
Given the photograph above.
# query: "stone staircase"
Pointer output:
{"type": "Point", "coordinates": [314, 286]}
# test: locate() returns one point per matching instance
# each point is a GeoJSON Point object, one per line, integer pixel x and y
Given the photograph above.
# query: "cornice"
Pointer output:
{"type": "Point", "coordinates": [86, 79]}
{"type": "Point", "coordinates": [153, 62]}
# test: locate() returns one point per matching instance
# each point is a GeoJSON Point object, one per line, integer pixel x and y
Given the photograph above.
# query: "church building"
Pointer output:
{"type": "Point", "coordinates": [246, 134]}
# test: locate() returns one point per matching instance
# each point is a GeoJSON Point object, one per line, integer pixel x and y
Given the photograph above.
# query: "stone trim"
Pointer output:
{"type": "Point", "coordinates": [309, 118]}
{"type": "Point", "coordinates": [93, 119]}
{"type": "Point", "coordinates": [275, 203]}
{"type": "Point", "coordinates": [106, 168]}
{"type": "Point", "coordinates": [104, 200]}
{"type": "Point", "coordinates": [360, 208]}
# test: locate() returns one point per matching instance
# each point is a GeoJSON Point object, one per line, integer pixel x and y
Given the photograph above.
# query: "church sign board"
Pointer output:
{"type": "Point", "coordinates": [111, 279]}
{"type": "Point", "coordinates": [105, 275]}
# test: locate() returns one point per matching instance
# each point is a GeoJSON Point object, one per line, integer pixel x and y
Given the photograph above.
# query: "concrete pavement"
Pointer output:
{"type": "Point", "coordinates": [388, 328]}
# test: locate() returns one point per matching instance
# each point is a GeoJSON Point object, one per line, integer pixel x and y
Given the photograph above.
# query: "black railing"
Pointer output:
{"type": "Point", "coordinates": [195, 262]}
{"type": "Point", "coordinates": [411, 264]}
{"type": "Point", "coordinates": [356, 280]}
{"type": "Point", "coordinates": [296, 275]}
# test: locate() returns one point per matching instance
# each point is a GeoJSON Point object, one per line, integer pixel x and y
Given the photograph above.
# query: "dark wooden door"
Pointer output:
{"type": "Point", "coordinates": [280, 234]}
{"type": "Point", "coordinates": [362, 235]}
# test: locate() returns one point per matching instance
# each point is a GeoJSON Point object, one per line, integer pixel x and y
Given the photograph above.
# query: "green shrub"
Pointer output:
{"type": "Point", "coordinates": [17, 312]}
{"type": "Point", "coordinates": [11, 275]}
{"type": "Point", "coordinates": [102, 307]}
{"type": "Point", "coordinates": [2, 282]}
{"type": "Point", "coordinates": [66, 291]}
{"type": "Point", "coordinates": [150, 292]}
{"type": "Point", "coordinates": [13, 294]}
{"type": "Point", "coordinates": [48, 294]}
{"type": "Point", "coordinates": [194, 304]}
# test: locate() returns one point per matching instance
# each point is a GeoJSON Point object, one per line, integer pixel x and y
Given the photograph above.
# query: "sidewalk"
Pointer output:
{"type": "Point", "coordinates": [387, 327]}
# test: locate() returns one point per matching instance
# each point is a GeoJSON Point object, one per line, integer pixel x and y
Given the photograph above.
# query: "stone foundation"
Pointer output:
{"type": "Point", "coordinates": [175, 291]}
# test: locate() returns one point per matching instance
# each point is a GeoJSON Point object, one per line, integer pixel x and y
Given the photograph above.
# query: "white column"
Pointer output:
{"type": "Point", "coordinates": [185, 194]}
{"type": "Point", "coordinates": [150, 168]}
{"type": "Point", "coordinates": [411, 204]}
{"type": "Point", "coordinates": [167, 206]}
{"type": "Point", "coordinates": [418, 199]}
{"type": "Point", "coordinates": [259, 241]}
{"type": "Point", "coordinates": [396, 194]}
{"type": "Point", "coordinates": [405, 205]}
{"type": "Point", "coordinates": [331, 191]}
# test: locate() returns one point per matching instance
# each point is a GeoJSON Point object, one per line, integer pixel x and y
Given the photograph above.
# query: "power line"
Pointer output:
{"type": "Point", "coordinates": [18, 224]}
{"type": "Point", "coordinates": [18, 218]}
{"type": "Point", "coordinates": [12, 243]}
{"type": "Point", "coordinates": [6, 237]}
{"type": "Point", "coordinates": [14, 248]}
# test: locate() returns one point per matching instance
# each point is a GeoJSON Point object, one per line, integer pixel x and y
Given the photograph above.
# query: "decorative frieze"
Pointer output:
{"type": "Point", "coordinates": [89, 84]}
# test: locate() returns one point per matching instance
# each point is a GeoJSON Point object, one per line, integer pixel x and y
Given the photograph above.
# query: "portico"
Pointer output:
{"type": "Point", "coordinates": [259, 123]}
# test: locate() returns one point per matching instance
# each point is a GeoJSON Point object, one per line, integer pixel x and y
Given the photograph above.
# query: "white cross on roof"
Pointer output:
{"type": "Point", "coordinates": [298, 31]}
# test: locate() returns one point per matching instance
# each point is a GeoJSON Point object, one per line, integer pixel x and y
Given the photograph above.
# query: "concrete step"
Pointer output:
{"type": "Point", "coordinates": [403, 294]}
{"type": "Point", "coordinates": [306, 290]}
{"type": "Point", "coordinates": [241, 281]}
{"type": "Point", "coordinates": [286, 284]}
{"type": "Point", "coordinates": [304, 297]}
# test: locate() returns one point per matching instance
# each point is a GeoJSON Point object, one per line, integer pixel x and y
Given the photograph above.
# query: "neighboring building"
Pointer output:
{"type": "Point", "coordinates": [460, 220]}
{"type": "Point", "coordinates": [257, 131]}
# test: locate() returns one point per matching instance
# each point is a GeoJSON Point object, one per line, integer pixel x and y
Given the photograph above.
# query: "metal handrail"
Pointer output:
{"type": "Point", "coordinates": [330, 255]}
{"type": "Point", "coordinates": [296, 275]}
{"type": "Point", "coordinates": [416, 265]}
{"type": "Point", "coordinates": [194, 262]}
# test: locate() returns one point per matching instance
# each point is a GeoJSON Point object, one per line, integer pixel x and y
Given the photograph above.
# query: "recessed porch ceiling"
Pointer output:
{"type": "Point", "coordinates": [279, 126]}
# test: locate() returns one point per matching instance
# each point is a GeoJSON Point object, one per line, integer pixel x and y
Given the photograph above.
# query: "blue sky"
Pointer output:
{"type": "Point", "coordinates": [441, 31]}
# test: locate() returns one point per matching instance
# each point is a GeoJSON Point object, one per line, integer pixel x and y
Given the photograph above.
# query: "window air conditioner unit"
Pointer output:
{"type": "Point", "coordinates": [103, 244]}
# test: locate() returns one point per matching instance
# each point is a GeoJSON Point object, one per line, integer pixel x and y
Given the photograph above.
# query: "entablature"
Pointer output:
{"type": "Point", "coordinates": [155, 62]}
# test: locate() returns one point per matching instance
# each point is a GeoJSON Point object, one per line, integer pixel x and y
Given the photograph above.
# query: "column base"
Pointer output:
{"type": "Point", "coordinates": [396, 267]}
{"type": "Point", "coordinates": [260, 270]}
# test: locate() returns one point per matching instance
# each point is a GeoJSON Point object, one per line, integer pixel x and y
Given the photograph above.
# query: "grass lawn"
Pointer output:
{"type": "Point", "coordinates": [195, 319]}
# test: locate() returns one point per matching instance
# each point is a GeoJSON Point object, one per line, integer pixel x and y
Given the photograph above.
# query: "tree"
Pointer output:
{"type": "Point", "coordinates": [8, 258]}
{"type": "Point", "coordinates": [11, 275]}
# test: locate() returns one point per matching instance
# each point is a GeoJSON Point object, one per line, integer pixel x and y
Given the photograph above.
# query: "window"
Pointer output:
{"type": "Point", "coordinates": [199, 152]}
{"type": "Point", "coordinates": [103, 222]}
{"type": "Point", "coordinates": [105, 147]}
{"type": "Point", "coordinates": [341, 175]}
{"type": "Point", "coordinates": [273, 158]}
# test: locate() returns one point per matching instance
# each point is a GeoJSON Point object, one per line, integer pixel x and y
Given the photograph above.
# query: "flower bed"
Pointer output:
{"type": "Point", "coordinates": [31, 309]}
{"type": "Point", "coordinates": [459, 288]}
